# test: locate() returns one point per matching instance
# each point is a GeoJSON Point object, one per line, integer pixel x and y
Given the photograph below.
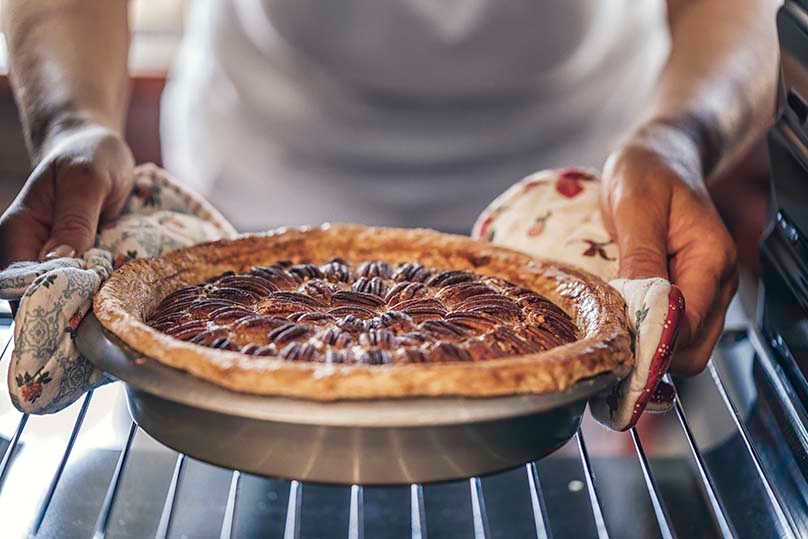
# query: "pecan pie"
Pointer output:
{"type": "Point", "coordinates": [346, 311]}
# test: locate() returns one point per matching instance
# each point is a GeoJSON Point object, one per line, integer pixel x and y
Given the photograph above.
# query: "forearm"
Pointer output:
{"type": "Point", "coordinates": [720, 79]}
{"type": "Point", "coordinates": [67, 64]}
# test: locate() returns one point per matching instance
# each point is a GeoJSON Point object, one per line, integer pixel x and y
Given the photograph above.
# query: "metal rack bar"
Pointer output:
{"type": "Point", "coordinates": [417, 512]}
{"type": "Point", "coordinates": [788, 525]}
{"type": "Point", "coordinates": [112, 491]}
{"type": "Point", "coordinates": [230, 508]}
{"type": "Point", "coordinates": [60, 470]}
{"type": "Point", "coordinates": [663, 519]}
{"type": "Point", "coordinates": [715, 506]}
{"type": "Point", "coordinates": [356, 519]}
{"type": "Point", "coordinates": [597, 512]}
{"type": "Point", "coordinates": [12, 447]}
{"type": "Point", "coordinates": [537, 502]}
{"type": "Point", "coordinates": [171, 496]}
{"type": "Point", "coordinates": [292, 528]}
{"type": "Point", "coordinates": [5, 314]}
{"type": "Point", "coordinates": [481, 530]}
{"type": "Point", "coordinates": [787, 395]}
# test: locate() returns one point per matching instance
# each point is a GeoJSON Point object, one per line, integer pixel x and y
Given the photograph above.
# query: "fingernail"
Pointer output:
{"type": "Point", "coordinates": [60, 251]}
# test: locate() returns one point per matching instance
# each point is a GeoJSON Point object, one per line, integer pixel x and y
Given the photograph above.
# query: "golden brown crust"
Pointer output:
{"type": "Point", "coordinates": [134, 291]}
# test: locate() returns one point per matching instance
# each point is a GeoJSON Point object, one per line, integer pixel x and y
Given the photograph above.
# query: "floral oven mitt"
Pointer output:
{"type": "Point", "coordinates": [46, 372]}
{"type": "Point", "coordinates": [555, 214]}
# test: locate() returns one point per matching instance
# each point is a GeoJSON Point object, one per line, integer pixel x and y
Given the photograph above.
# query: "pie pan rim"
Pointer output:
{"type": "Point", "coordinates": [599, 312]}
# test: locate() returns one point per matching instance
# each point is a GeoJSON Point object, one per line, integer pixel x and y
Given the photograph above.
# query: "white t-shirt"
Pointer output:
{"type": "Point", "coordinates": [399, 112]}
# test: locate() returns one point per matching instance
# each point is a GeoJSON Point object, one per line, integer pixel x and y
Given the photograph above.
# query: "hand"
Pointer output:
{"type": "Point", "coordinates": [657, 208]}
{"type": "Point", "coordinates": [85, 176]}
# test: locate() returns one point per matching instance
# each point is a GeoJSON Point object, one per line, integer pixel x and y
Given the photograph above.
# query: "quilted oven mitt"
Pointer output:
{"type": "Point", "coordinates": [555, 214]}
{"type": "Point", "coordinates": [46, 372]}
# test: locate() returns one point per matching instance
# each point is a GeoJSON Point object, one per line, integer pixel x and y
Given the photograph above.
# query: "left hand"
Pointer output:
{"type": "Point", "coordinates": [656, 206]}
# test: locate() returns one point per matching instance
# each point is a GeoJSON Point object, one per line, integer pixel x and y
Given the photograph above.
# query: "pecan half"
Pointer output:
{"type": "Point", "coordinates": [414, 338]}
{"type": "Point", "coordinates": [450, 277]}
{"type": "Point", "coordinates": [237, 295]}
{"type": "Point", "coordinates": [550, 315]}
{"type": "Point", "coordinates": [266, 350]}
{"type": "Point", "coordinates": [252, 283]}
{"type": "Point", "coordinates": [229, 313]}
{"type": "Point", "coordinates": [336, 337]}
{"type": "Point", "coordinates": [336, 356]}
{"type": "Point", "coordinates": [374, 285]}
{"type": "Point", "coordinates": [418, 303]}
{"type": "Point", "coordinates": [204, 307]}
{"type": "Point", "coordinates": [286, 333]}
{"type": "Point", "coordinates": [319, 289]}
{"type": "Point", "coordinates": [378, 338]}
{"type": "Point", "coordinates": [258, 322]}
{"type": "Point", "coordinates": [249, 349]}
{"type": "Point", "coordinates": [424, 314]}
{"type": "Point", "coordinates": [412, 271]}
{"type": "Point", "coordinates": [296, 298]}
{"type": "Point", "coordinates": [443, 329]}
{"type": "Point", "coordinates": [393, 320]}
{"type": "Point", "coordinates": [317, 319]}
{"type": "Point", "coordinates": [405, 291]}
{"type": "Point", "coordinates": [207, 338]}
{"type": "Point", "coordinates": [506, 340]}
{"type": "Point", "coordinates": [177, 303]}
{"type": "Point", "coordinates": [167, 319]}
{"type": "Point", "coordinates": [223, 343]}
{"type": "Point", "coordinates": [295, 351]}
{"type": "Point", "coordinates": [336, 270]}
{"type": "Point", "coordinates": [411, 355]}
{"type": "Point", "coordinates": [457, 293]}
{"type": "Point", "coordinates": [473, 321]}
{"type": "Point", "coordinates": [275, 275]}
{"type": "Point", "coordinates": [305, 271]}
{"type": "Point", "coordinates": [494, 304]}
{"type": "Point", "coordinates": [375, 268]}
{"type": "Point", "coordinates": [448, 352]}
{"type": "Point", "coordinates": [187, 330]}
{"type": "Point", "coordinates": [289, 302]}
{"type": "Point", "coordinates": [350, 322]}
{"type": "Point", "coordinates": [351, 298]}
{"type": "Point", "coordinates": [356, 311]}
{"type": "Point", "coordinates": [479, 350]}
{"type": "Point", "coordinates": [192, 291]}
{"type": "Point", "coordinates": [542, 337]}
{"type": "Point", "coordinates": [376, 357]}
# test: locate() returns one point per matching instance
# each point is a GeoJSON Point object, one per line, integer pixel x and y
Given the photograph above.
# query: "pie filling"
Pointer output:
{"type": "Point", "coordinates": [372, 313]}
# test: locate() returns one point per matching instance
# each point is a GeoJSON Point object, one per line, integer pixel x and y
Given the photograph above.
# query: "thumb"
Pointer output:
{"type": "Point", "coordinates": [640, 228]}
{"type": "Point", "coordinates": [78, 203]}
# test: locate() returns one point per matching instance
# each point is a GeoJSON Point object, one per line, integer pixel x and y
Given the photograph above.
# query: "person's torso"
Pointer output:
{"type": "Point", "coordinates": [414, 91]}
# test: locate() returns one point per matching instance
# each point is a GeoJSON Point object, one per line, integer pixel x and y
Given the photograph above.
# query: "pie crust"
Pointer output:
{"type": "Point", "coordinates": [133, 293]}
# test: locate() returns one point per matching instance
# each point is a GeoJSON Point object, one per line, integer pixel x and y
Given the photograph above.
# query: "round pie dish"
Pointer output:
{"type": "Point", "coordinates": [127, 301]}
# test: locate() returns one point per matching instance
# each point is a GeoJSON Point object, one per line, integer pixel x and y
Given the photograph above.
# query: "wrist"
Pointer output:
{"type": "Point", "coordinates": [704, 136]}
{"type": "Point", "coordinates": [48, 131]}
{"type": "Point", "coordinates": [659, 144]}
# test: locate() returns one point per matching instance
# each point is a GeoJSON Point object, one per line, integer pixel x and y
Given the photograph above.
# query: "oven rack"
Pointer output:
{"type": "Point", "coordinates": [775, 509]}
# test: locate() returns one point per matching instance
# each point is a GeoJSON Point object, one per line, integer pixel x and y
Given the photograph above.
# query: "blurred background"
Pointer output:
{"type": "Point", "coordinates": [157, 30]}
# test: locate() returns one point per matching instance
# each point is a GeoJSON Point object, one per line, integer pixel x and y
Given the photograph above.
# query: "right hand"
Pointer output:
{"type": "Point", "coordinates": [84, 176]}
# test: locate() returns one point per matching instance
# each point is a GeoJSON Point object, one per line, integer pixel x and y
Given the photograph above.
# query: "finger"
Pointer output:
{"type": "Point", "coordinates": [122, 180]}
{"type": "Point", "coordinates": [25, 225]}
{"type": "Point", "coordinates": [693, 356]}
{"type": "Point", "coordinates": [702, 270]}
{"type": "Point", "coordinates": [21, 236]}
{"type": "Point", "coordinates": [78, 202]}
{"type": "Point", "coordinates": [640, 225]}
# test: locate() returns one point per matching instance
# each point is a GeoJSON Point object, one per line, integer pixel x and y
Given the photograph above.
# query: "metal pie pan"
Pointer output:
{"type": "Point", "coordinates": [375, 442]}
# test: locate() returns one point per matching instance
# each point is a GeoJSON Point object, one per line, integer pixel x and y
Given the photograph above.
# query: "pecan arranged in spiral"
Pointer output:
{"type": "Point", "coordinates": [372, 313]}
